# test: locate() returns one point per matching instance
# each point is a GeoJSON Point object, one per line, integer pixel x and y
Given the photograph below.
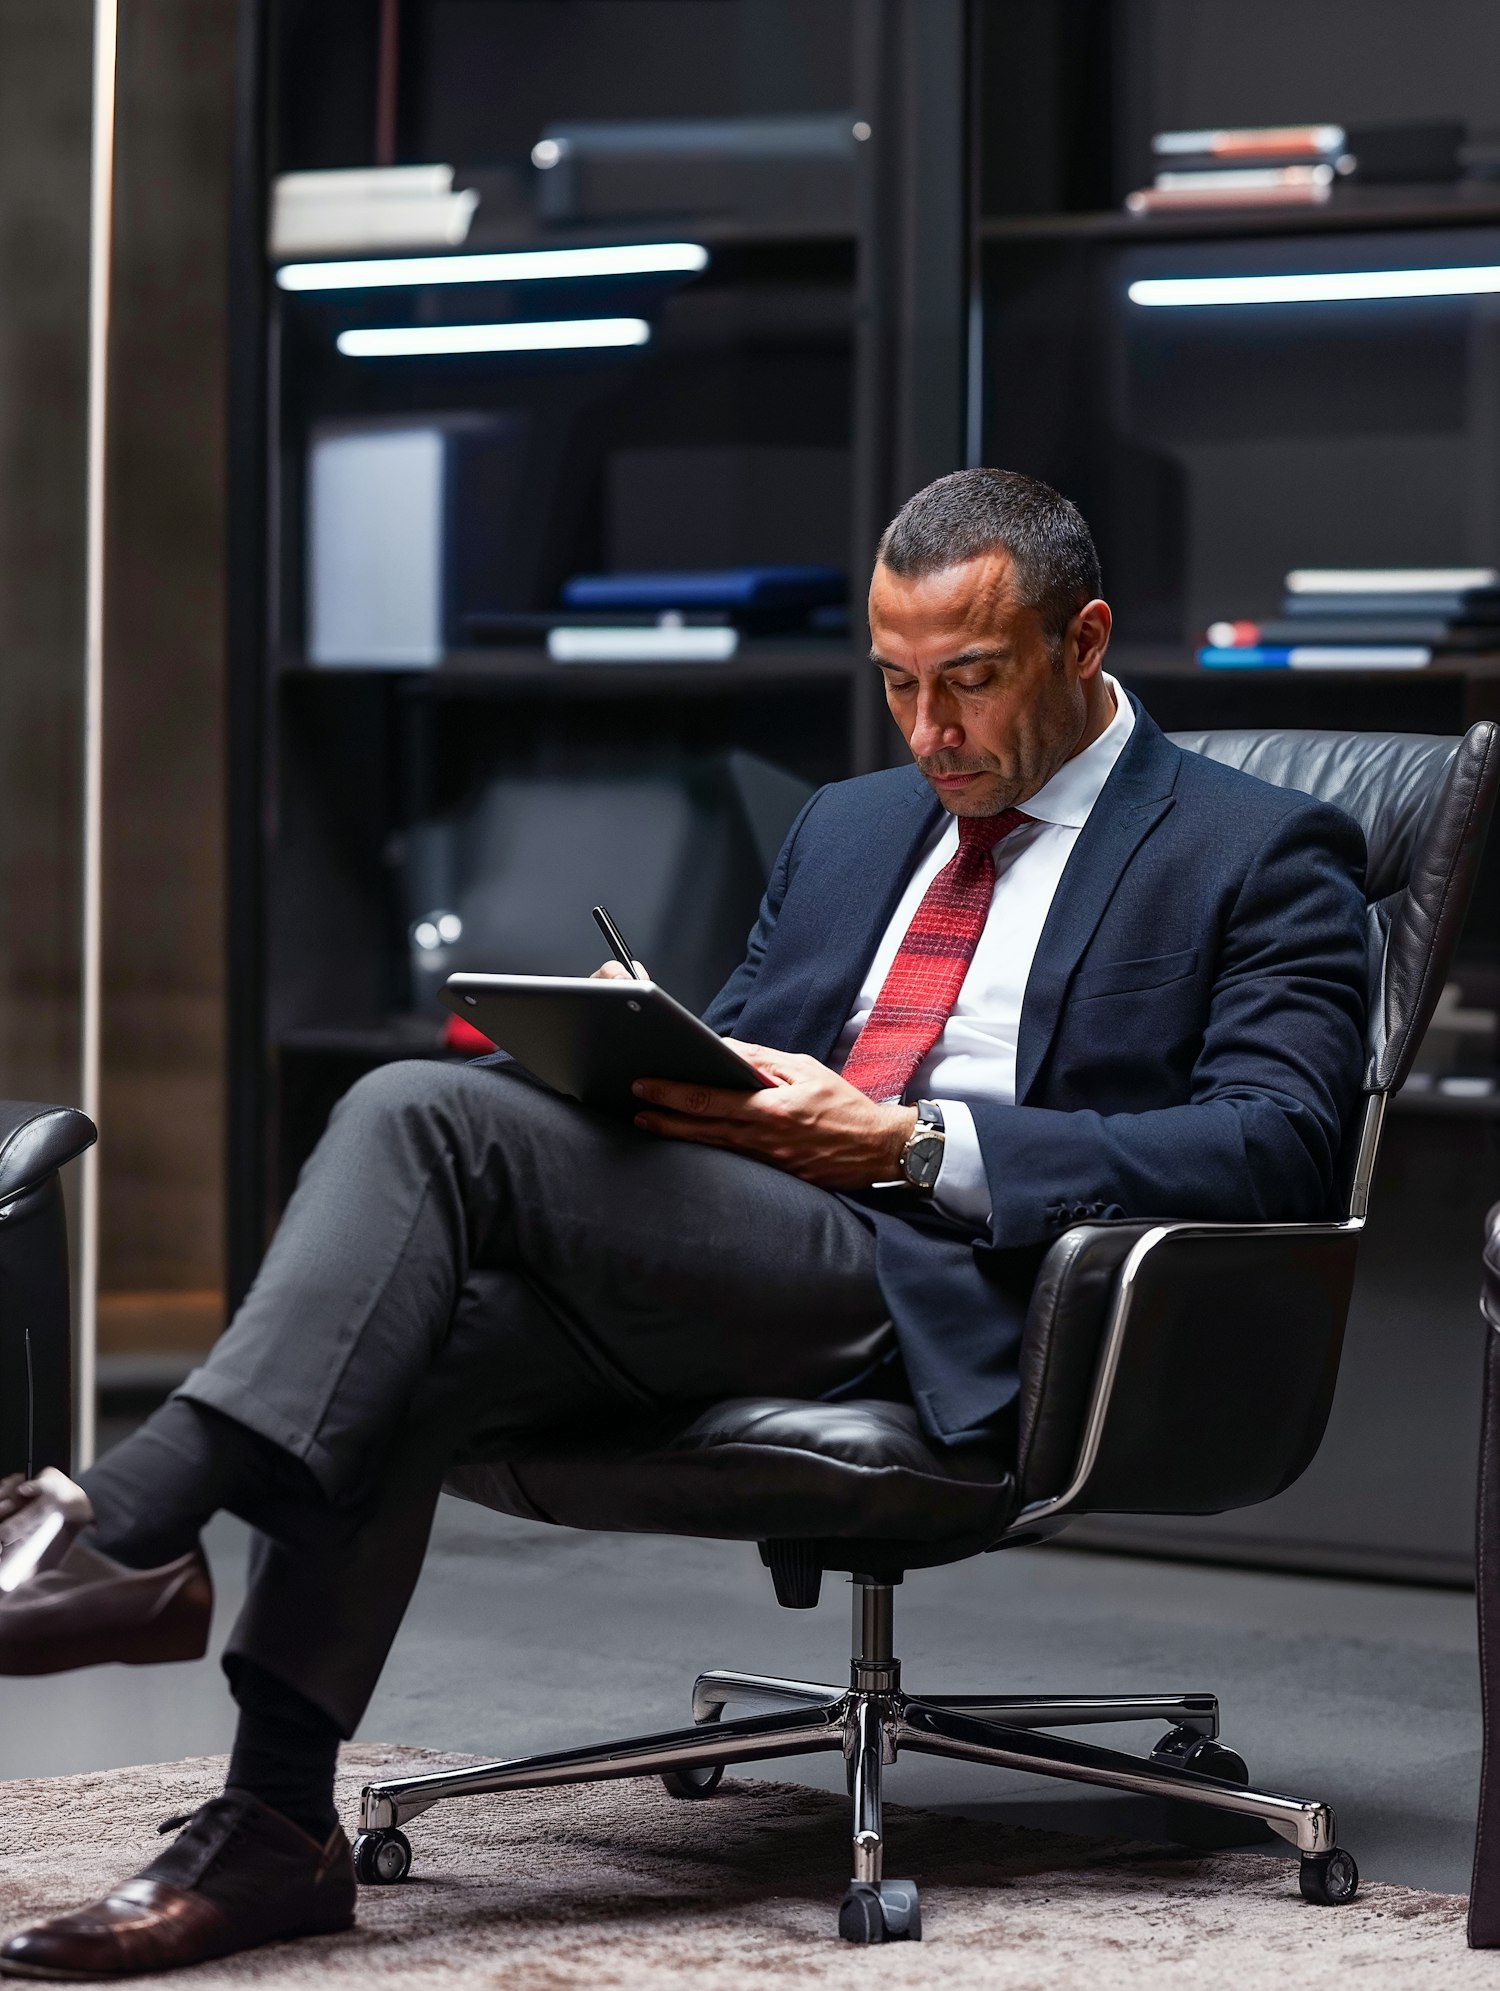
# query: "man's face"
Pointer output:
{"type": "Point", "coordinates": [987, 707]}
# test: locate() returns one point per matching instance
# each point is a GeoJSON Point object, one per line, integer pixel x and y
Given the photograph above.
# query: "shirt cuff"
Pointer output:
{"type": "Point", "coordinates": [962, 1189]}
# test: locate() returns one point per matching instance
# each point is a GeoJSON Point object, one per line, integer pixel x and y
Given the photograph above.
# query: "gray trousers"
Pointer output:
{"type": "Point", "coordinates": [633, 1274]}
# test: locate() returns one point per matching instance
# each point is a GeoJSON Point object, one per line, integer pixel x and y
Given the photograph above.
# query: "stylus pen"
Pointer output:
{"type": "Point", "coordinates": [615, 940]}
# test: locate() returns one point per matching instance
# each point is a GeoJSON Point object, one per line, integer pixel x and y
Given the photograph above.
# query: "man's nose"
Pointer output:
{"type": "Point", "coordinates": [936, 727]}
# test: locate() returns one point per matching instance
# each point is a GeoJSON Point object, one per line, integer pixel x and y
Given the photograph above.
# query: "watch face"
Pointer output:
{"type": "Point", "coordinates": [923, 1159]}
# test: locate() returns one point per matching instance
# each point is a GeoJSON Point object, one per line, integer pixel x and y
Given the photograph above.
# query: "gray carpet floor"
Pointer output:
{"type": "Point", "coordinates": [522, 1637]}
{"type": "Point", "coordinates": [616, 1886]}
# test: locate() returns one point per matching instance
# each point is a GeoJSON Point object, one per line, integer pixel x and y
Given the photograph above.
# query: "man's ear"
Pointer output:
{"type": "Point", "coordinates": [1090, 629]}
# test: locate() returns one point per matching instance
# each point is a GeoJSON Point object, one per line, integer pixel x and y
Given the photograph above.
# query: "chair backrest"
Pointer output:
{"type": "Point", "coordinates": [1424, 803]}
{"type": "Point", "coordinates": [1278, 1301]}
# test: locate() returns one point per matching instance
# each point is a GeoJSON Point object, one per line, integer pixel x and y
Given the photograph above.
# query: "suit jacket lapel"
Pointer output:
{"type": "Point", "coordinates": [867, 880]}
{"type": "Point", "coordinates": [1136, 796]}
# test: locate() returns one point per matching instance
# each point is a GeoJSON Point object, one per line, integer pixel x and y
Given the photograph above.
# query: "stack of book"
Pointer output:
{"type": "Point", "coordinates": [374, 207]}
{"type": "Point", "coordinates": [1265, 166]}
{"type": "Point", "coordinates": [1364, 618]}
{"type": "Point", "coordinates": [691, 616]}
{"type": "Point", "coordinates": [1292, 165]}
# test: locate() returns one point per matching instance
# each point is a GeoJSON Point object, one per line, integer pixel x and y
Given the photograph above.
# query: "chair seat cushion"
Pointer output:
{"type": "Point", "coordinates": [764, 1469]}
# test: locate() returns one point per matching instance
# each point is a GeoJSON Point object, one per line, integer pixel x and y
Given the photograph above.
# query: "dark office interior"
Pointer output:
{"type": "Point", "coordinates": [407, 627]}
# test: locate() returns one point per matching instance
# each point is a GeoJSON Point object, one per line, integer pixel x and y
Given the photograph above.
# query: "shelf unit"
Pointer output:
{"type": "Point", "coordinates": [965, 292]}
{"type": "Point", "coordinates": [526, 669]}
{"type": "Point", "coordinates": [834, 325]}
{"type": "Point", "coordinates": [1213, 449]}
{"type": "Point", "coordinates": [1351, 210]}
{"type": "Point", "coordinates": [1211, 452]}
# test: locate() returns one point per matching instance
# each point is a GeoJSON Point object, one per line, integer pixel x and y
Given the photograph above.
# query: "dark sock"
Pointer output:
{"type": "Point", "coordinates": [154, 1493]}
{"type": "Point", "coordinates": [285, 1750]}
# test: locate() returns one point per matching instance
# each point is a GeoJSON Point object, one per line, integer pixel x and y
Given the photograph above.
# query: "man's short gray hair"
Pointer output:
{"type": "Point", "coordinates": [974, 512]}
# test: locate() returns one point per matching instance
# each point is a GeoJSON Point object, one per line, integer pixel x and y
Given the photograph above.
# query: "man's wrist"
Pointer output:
{"type": "Point", "coordinates": [903, 1125]}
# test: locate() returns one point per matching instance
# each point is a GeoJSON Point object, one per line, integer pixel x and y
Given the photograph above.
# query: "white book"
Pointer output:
{"type": "Point", "coordinates": [1358, 656]}
{"type": "Point", "coordinates": [1208, 190]}
{"type": "Point", "coordinates": [1389, 580]}
{"type": "Point", "coordinates": [1244, 179]}
{"type": "Point", "coordinates": [665, 644]}
{"type": "Point", "coordinates": [367, 183]}
{"type": "Point", "coordinates": [384, 207]}
{"type": "Point", "coordinates": [326, 228]}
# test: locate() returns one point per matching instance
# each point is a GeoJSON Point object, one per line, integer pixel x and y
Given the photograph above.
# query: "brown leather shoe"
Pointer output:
{"type": "Point", "coordinates": [39, 1521]}
{"type": "Point", "coordinates": [90, 1610]}
{"type": "Point", "coordinates": [238, 1876]}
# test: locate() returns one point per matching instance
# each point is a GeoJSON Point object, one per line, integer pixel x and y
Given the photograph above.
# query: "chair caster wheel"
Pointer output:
{"type": "Point", "coordinates": [1185, 1749]}
{"type": "Point", "coordinates": [382, 1858]}
{"type": "Point", "coordinates": [1329, 1879]}
{"type": "Point", "coordinates": [692, 1783]}
{"type": "Point", "coordinates": [696, 1783]}
{"type": "Point", "coordinates": [1192, 1824]}
{"type": "Point", "coordinates": [886, 1911]}
{"type": "Point", "coordinates": [1212, 1759]}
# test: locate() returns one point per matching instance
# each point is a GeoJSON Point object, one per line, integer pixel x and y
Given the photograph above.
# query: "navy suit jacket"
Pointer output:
{"type": "Point", "coordinates": [1191, 1039]}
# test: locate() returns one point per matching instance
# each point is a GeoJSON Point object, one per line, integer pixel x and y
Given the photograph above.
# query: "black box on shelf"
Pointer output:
{"type": "Point", "coordinates": [796, 171]}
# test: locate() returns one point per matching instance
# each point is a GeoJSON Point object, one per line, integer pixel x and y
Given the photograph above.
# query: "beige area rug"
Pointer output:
{"type": "Point", "coordinates": [618, 1885]}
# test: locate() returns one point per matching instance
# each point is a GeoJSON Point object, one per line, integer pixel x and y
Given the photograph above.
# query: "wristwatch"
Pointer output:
{"type": "Point", "coordinates": [922, 1156]}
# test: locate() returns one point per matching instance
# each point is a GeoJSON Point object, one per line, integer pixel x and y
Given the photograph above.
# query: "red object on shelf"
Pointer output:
{"type": "Point", "coordinates": [1237, 635]}
{"type": "Point", "coordinates": [461, 1036]}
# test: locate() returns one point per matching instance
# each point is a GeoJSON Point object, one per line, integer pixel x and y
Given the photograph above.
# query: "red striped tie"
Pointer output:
{"type": "Point", "coordinates": [922, 986]}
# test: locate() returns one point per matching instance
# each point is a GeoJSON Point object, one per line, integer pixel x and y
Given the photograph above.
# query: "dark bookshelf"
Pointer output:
{"type": "Point", "coordinates": [827, 321]}
{"type": "Point", "coordinates": [1214, 448]}
{"type": "Point", "coordinates": [958, 300]}
{"type": "Point", "coordinates": [1213, 451]}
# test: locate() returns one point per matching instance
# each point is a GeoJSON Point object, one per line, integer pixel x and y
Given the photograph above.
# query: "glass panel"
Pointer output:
{"type": "Point", "coordinates": [161, 1169]}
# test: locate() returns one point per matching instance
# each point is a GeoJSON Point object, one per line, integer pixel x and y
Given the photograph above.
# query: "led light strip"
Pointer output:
{"type": "Point", "coordinates": [96, 516]}
{"type": "Point", "coordinates": [515, 266]}
{"type": "Point", "coordinates": [1317, 287]}
{"type": "Point", "coordinates": [558, 335]}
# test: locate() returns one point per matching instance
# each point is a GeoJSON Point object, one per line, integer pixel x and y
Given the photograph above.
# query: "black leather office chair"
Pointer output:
{"type": "Point", "coordinates": [1178, 1368]}
{"type": "Point", "coordinates": [36, 1396]}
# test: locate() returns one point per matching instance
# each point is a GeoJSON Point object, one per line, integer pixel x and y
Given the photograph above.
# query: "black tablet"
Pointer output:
{"type": "Point", "coordinates": [593, 1039]}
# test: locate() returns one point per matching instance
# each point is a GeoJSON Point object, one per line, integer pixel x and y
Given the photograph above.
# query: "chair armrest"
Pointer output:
{"type": "Point", "coordinates": [1070, 1309]}
{"type": "Point", "coordinates": [1210, 1352]}
{"type": "Point", "coordinates": [36, 1140]}
{"type": "Point", "coordinates": [1489, 1297]}
{"type": "Point", "coordinates": [35, 1346]}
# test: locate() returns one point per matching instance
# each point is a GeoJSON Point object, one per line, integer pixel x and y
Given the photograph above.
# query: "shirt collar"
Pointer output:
{"type": "Point", "coordinates": [1074, 789]}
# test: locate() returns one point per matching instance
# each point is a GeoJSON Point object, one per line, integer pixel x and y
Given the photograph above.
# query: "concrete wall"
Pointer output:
{"type": "Point", "coordinates": [44, 123]}
{"type": "Point", "coordinates": [163, 1022]}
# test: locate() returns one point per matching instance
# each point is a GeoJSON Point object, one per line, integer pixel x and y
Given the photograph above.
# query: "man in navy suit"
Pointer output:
{"type": "Point", "coordinates": [1054, 969]}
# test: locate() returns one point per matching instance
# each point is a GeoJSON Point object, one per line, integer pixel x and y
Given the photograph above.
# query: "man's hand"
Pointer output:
{"type": "Point", "coordinates": [807, 1121]}
{"type": "Point", "coordinates": [615, 971]}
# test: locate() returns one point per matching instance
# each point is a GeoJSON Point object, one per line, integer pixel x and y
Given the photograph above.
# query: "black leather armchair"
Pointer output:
{"type": "Point", "coordinates": [1484, 1891]}
{"type": "Point", "coordinates": [36, 1398]}
{"type": "Point", "coordinates": [1182, 1368]}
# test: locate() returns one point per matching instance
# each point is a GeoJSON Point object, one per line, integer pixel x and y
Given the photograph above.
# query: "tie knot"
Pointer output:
{"type": "Point", "coordinates": [984, 832]}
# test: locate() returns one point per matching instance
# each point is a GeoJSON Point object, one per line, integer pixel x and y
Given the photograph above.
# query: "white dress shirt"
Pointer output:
{"type": "Point", "coordinates": [975, 1055]}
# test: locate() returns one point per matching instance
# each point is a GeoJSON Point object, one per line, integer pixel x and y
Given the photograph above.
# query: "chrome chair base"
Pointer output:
{"type": "Point", "coordinates": [870, 1723]}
